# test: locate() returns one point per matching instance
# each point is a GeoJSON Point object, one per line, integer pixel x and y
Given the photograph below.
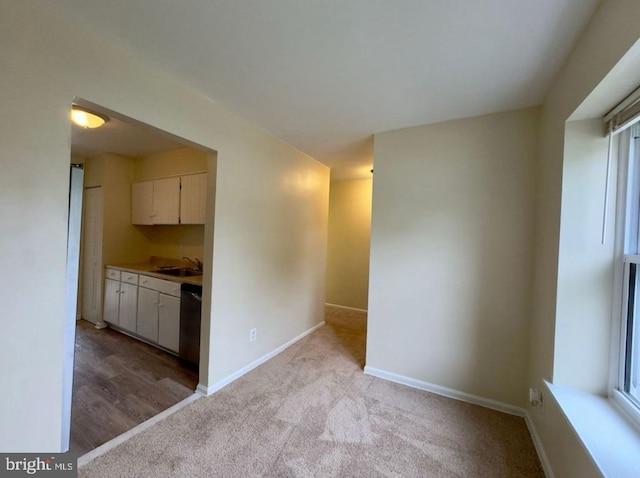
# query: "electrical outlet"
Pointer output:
{"type": "Point", "coordinates": [535, 397]}
{"type": "Point", "coordinates": [253, 334]}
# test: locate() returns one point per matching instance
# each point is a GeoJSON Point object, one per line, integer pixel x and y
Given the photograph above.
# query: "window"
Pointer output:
{"type": "Point", "coordinates": [624, 120]}
{"type": "Point", "coordinates": [630, 385]}
{"type": "Point", "coordinates": [628, 244]}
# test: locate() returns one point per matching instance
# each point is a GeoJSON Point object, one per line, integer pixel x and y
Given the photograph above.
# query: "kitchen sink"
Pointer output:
{"type": "Point", "coordinates": [178, 271]}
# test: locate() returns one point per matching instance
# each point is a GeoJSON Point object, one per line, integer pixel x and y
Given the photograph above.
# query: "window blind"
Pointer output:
{"type": "Point", "coordinates": [624, 115]}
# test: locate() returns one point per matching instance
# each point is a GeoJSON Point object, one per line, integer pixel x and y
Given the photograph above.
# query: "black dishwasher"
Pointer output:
{"type": "Point", "coordinates": [190, 313]}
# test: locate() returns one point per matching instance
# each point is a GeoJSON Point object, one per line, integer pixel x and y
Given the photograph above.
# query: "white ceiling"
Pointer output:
{"type": "Point", "coordinates": [325, 75]}
{"type": "Point", "coordinates": [122, 137]}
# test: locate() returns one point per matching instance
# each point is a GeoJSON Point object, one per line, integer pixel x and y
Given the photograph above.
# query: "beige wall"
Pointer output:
{"type": "Point", "coordinates": [122, 242]}
{"type": "Point", "coordinates": [174, 241]}
{"type": "Point", "coordinates": [564, 222]}
{"type": "Point", "coordinates": [268, 246]}
{"type": "Point", "coordinates": [93, 172]}
{"type": "Point", "coordinates": [349, 237]}
{"type": "Point", "coordinates": [451, 254]}
{"type": "Point", "coordinates": [585, 265]}
{"type": "Point", "coordinates": [171, 163]}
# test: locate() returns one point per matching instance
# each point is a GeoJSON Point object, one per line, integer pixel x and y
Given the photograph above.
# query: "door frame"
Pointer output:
{"type": "Point", "coordinates": [71, 295]}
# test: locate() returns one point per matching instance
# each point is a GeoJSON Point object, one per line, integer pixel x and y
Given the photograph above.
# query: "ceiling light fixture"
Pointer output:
{"type": "Point", "coordinates": [86, 119]}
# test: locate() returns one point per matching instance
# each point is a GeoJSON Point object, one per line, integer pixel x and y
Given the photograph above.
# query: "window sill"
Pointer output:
{"type": "Point", "coordinates": [611, 440]}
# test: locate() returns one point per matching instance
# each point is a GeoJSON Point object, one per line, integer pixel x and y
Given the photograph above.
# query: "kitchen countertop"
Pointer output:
{"type": "Point", "coordinates": [148, 268]}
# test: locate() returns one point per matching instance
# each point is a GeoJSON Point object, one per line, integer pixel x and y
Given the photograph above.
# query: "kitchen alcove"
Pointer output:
{"type": "Point", "coordinates": [119, 380]}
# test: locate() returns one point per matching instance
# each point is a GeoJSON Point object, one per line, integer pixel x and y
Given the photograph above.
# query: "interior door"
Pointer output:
{"type": "Point", "coordinates": [92, 256]}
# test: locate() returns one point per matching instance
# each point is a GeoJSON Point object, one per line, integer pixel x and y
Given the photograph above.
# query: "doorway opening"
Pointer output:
{"type": "Point", "coordinates": [347, 286]}
{"type": "Point", "coordinates": [147, 227]}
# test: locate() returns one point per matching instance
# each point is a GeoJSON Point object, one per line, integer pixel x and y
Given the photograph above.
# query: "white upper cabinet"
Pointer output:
{"type": "Point", "coordinates": [174, 200]}
{"type": "Point", "coordinates": [166, 201]}
{"type": "Point", "coordinates": [193, 198]}
{"type": "Point", "coordinates": [142, 202]}
{"type": "Point", "coordinates": [156, 202]}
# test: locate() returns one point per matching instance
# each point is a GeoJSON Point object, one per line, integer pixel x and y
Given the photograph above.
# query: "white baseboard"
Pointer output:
{"type": "Point", "coordinates": [201, 389]}
{"type": "Point", "coordinates": [537, 442]}
{"type": "Point", "coordinates": [345, 307]}
{"type": "Point", "coordinates": [446, 392]}
{"type": "Point", "coordinates": [239, 373]}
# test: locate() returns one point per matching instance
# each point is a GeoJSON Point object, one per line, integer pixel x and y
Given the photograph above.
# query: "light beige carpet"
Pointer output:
{"type": "Point", "coordinates": [311, 412]}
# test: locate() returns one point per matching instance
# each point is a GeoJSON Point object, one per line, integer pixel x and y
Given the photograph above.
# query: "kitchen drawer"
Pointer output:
{"type": "Point", "coordinates": [129, 278]}
{"type": "Point", "coordinates": [112, 274]}
{"type": "Point", "coordinates": [163, 286]}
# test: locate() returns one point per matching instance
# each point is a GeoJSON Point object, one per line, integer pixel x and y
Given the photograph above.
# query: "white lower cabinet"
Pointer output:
{"type": "Point", "coordinates": [159, 312]}
{"type": "Point", "coordinates": [128, 306]}
{"type": "Point", "coordinates": [150, 310]}
{"type": "Point", "coordinates": [169, 322]}
{"type": "Point", "coordinates": [111, 301]}
{"type": "Point", "coordinates": [148, 314]}
{"type": "Point", "coordinates": [120, 304]}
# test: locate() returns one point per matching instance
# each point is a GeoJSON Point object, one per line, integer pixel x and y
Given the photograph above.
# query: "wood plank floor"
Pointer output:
{"type": "Point", "coordinates": [120, 382]}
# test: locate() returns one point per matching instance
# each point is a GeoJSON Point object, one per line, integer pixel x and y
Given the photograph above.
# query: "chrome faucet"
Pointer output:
{"type": "Point", "coordinates": [196, 261]}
